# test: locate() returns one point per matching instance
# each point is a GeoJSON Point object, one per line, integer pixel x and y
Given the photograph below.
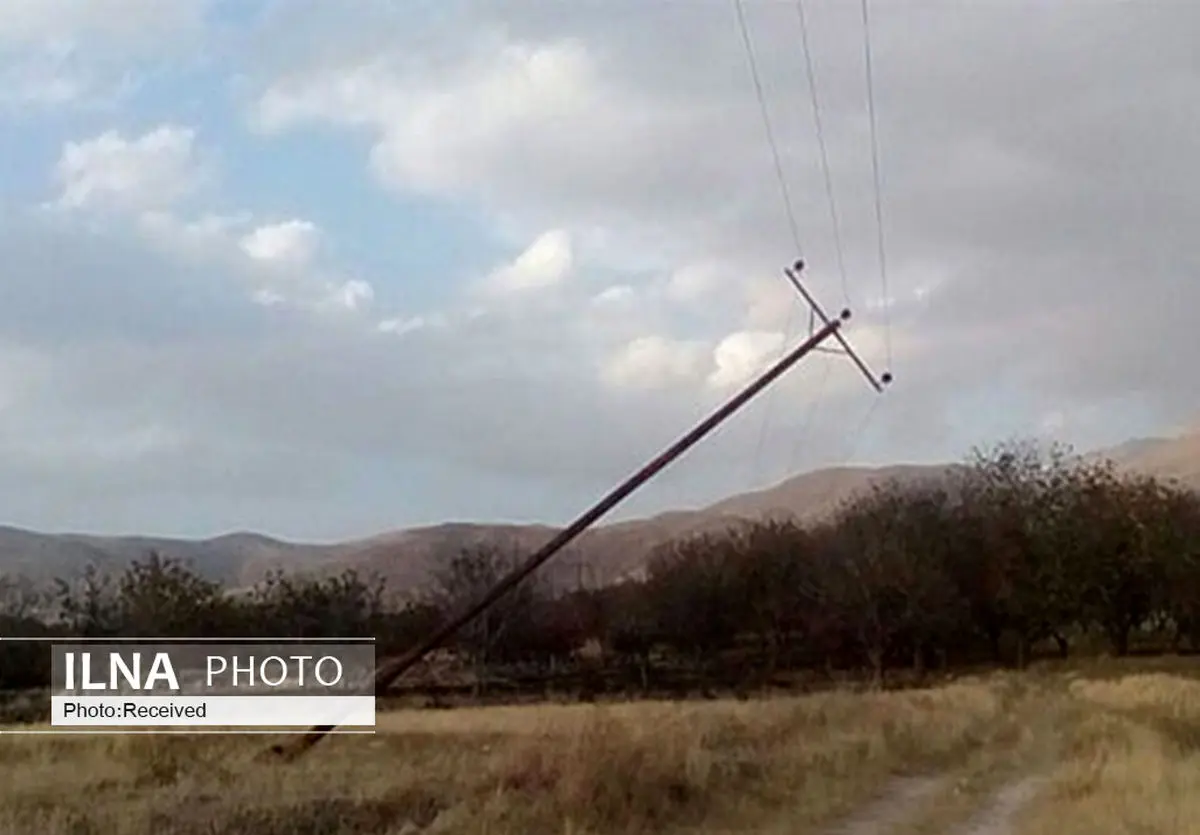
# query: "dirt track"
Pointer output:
{"type": "Point", "coordinates": [906, 798]}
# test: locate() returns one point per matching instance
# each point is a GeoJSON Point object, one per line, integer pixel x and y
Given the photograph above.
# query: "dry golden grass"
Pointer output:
{"type": "Point", "coordinates": [1131, 762]}
{"type": "Point", "coordinates": [653, 767]}
{"type": "Point", "coordinates": [1117, 752]}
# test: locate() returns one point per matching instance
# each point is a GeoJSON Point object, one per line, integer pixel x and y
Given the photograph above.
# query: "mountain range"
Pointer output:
{"type": "Point", "coordinates": [602, 555]}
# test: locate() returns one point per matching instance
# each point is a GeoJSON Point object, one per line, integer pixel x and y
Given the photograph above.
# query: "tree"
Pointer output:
{"type": "Point", "coordinates": [162, 597]}
{"type": "Point", "coordinates": [1017, 564]}
{"type": "Point", "coordinates": [885, 572]}
{"type": "Point", "coordinates": [88, 607]}
{"type": "Point", "coordinates": [1179, 549]}
{"type": "Point", "coordinates": [777, 584]}
{"type": "Point", "coordinates": [20, 598]}
{"type": "Point", "coordinates": [23, 664]}
{"type": "Point", "coordinates": [1125, 530]}
{"type": "Point", "coordinates": [693, 587]}
{"type": "Point", "coordinates": [504, 632]}
{"type": "Point", "coordinates": [342, 606]}
{"type": "Point", "coordinates": [629, 626]}
{"type": "Point", "coordinates": [402, 628]}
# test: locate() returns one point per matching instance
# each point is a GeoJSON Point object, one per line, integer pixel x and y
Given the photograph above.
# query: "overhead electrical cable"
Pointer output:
{"type": "Point", "coordinates": [886, 302]}
{"type": "Point", "coordinates": [824, 152]}
{"type": "Point", "coordinates": [785, 194]}
{"type": "Point", "coordinates": [759, 93]}
{"type": "Point", "coordinates": [801, 434]}
{"type": "Point", "coordinates": [810, 413]}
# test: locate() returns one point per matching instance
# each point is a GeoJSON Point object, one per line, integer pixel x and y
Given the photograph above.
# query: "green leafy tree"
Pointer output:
{"type": "Point", "coordinates": [1125, 533]}
{"type": "Point", "coordinates": [1179, 549]}
{"type": "Point", "coordinates": [885, 572]}
{"type": "Point", "coordinates": [1016, 563]}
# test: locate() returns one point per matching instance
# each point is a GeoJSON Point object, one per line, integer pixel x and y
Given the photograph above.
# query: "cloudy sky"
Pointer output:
{"type": "Point", "coordinates": [321, 269]}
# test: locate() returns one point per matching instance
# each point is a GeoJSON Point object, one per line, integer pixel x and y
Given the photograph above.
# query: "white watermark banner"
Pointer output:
{"type": "Point", "coordinates": [211, 711]}
{"type": "Point", "coordinates": [252, 683]}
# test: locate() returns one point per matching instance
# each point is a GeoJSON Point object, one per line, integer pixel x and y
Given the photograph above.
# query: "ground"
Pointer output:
{"type": "Point", "coordinates": [1103, 748]}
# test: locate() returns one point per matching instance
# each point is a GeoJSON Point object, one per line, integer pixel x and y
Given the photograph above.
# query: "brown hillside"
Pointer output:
{"type": "Point", "coordinates": [815, 495]}
{"type": "Point", "coordinates": [1167, 458]}
{"type": "Point", "coordinates": [408, 557]}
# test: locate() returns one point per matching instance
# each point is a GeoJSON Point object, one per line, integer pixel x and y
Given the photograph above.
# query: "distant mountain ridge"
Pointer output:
{"type": "Point", "coordinates": [408, 557]}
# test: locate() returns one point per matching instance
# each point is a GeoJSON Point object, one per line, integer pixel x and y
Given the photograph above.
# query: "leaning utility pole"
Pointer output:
{"type": "Point", "coordinates": [392, 669]}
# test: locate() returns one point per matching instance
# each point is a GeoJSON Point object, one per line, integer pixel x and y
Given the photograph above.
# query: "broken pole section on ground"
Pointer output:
{"type": "Point", "coordinates": [392, 669]}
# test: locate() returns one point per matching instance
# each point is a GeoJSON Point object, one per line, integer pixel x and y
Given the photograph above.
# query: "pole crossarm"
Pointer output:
{"type": "Point", "coordinates": [392, 669]}
{"type": "Point", "coordinates": [793, 276]}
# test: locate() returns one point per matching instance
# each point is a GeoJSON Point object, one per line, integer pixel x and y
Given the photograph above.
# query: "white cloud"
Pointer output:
{"type": "Point", "coordinates": [1052, 423]}
{"type": "Point", "coordinates": [614, 295]}
{"type": "Point", "coordinates": [534, 117]}
{"type": "Point", "coordinates": [276, 258]}
{"type": "Point", "coordinates": [524, 85]}
{"type": "Point", "coordinates": [351, 295]}
{"type": "Point", "coordinates": [770, 302]}
{"type": "Point", "coordinates": [122, 21]}
{"type": "Point", "coordinates": [88, 55]}
{"type": "Point", "coordinates": [639, 135]}
{"type": "Point", "coordinates": [427, 143]}
{"type": "Point", "coordinates": [742, 355]}
{"type": "Point", "coordinates": [694, 281]}
{"type": "Point", "coordinates": [148, 172]}
{"type": "Point", "coordinates": [291, 243]}
{"type": "Point", "coordinates": [56, 75]}
{"type": "Point", "coordinates": [41, 79]}
{"type": "Point", "coordinates": [267, 297]}
{"type": "Point", "coordinates": [546, 262]}
{"type": "Point", "coordinates": [650, 362]}
{"type": "Point", "coordinates": [399, 326]}
{"type": "Point", "coordinates": [211, 234]}
{"type": "Point", "coordinates": [280, 256]}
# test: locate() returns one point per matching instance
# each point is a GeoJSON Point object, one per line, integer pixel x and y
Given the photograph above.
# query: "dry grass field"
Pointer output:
{"type": "Point", "coordinates": [1101, 749]}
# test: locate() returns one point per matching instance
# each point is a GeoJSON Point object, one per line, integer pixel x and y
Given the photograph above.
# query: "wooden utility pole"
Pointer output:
{"type": "Point", "coordinates": [392, 669]}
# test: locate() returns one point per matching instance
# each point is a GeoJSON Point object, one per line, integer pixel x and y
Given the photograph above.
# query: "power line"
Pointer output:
{"type": "Point", "coordinates": [816, 109]}
{"type": "Point", "coordinates": [766, 119]}
{"type": "Point", "coordinates": [785, 194]}
{"type": "Point", "coordinates": [810, 413]}
{"type": "Point", "coordinates": [860, 431]}
{"type": "Point", "coordinates": [856, 436]}
{"type": "Point", "coordinates": [887, 328]}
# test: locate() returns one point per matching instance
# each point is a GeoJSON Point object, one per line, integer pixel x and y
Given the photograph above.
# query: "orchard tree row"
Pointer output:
{"type": "Point", "coordinates": [1018, 549]}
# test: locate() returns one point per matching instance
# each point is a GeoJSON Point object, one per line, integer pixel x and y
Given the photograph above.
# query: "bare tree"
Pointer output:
{"type": "Point", "coordinates": [20, 597]}
{"type": "Point", "coordinates": [502, 632]}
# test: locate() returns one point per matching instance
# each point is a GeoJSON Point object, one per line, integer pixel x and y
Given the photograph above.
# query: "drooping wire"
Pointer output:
{"type": "Point", "coordinates": [825, 170]}
{"type": "Point", "coordinates": [809, 415]}
{"type": "Point", "coordinates": [887, 328]}
{"type": "Point", "coordinates": [855, 438]}
{"type": "Point", "coordinates": [752, 60]}
{"type": "Point", "coordinates": [861, 430]}
{"type": "Point", "coordinates": [785, 194]}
